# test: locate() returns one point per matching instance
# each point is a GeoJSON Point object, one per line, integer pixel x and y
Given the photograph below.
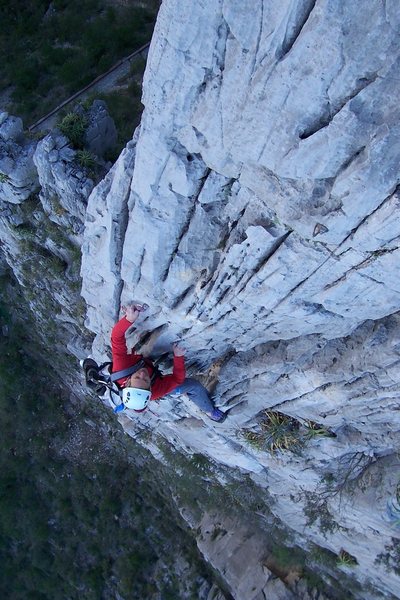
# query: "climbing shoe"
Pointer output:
{"type": "Point", "coordinates": [92, 377]}
{"type": "Point", "coordinates": [218, 416]}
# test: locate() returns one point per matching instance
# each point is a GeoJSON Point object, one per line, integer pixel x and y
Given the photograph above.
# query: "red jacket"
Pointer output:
{"type": "Point", "coordinates": [122, 360]}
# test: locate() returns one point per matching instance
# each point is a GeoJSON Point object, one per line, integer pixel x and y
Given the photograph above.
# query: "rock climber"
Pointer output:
{"type": "Point", "coordinates": [146, 382]}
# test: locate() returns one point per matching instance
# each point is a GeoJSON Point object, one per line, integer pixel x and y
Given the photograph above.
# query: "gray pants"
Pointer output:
{"type": "Point", "coordinates": [197, 393]}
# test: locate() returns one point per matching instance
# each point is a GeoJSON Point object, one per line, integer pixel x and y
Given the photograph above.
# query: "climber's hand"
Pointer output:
{"type": "Point", "coordinates": [131, 312]}
{"type": "Point", "coordinates": [178, 350]}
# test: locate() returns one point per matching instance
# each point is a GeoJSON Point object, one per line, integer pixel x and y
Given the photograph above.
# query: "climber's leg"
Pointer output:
{"type": "Point", "coordinates": [199, 395]}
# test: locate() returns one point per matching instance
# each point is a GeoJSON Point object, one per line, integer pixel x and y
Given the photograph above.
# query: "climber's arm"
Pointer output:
{"type": "Point", "coordinates": [168, 383]}
{"type": "Point", "coordinates": [132, 311]}
{"type": "Point", "coordinates": [118, 341]}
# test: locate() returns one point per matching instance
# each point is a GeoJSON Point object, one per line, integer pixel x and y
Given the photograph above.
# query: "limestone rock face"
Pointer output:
{"type": "Point", "coordinates": [64, 185]}
{"type": "Point", "coordinates": [18, 177]}
{"type": "Point", "coordinates": [43, 198]}
{"type": "Point", "coordinates": [257, 213]}
{"type": "Point", "coordinates": [11, 128]}
{"type": "Point", "coordinates": [220, 539]}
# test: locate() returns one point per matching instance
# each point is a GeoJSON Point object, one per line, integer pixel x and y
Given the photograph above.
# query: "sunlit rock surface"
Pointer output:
{"type": "Point", "coordinates": [257, 213]}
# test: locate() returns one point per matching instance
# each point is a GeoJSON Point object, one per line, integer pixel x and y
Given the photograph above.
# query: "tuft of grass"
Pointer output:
{"type": "Point", "coordinates": [278, 432]}
{"type": "Point", "coordinates": [4, 178]}
{"type": "Point", "coordinates": [345, 559]}
{"type": "Point", "coordinates": [86, 159]}
{"type": "Point", "coordinates": [314, 430]}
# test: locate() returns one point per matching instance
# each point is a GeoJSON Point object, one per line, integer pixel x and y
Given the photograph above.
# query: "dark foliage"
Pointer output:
{"type": "Point", "coordinates": [76, 521]}
{"type": "Point", "coordinates": [52, 49]}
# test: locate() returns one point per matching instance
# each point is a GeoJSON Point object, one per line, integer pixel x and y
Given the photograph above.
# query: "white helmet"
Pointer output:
{"type": "Point", "coordinates": [135, 398]}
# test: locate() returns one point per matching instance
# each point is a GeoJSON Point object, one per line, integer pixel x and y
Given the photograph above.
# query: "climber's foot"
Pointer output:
{"type": "Point", "coordinates": [217, 415]}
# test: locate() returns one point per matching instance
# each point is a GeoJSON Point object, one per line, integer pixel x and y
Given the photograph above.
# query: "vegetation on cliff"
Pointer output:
{"type": "Point", "coordinates": [77, 517]}
{"type": "Point", "coordinates": [52, 49]}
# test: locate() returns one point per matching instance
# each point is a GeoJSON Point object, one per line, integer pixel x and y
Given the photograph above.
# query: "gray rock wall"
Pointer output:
{"type": "Point", "coordinates": [43, 196]}
{"type": "Point", "coordinates": [18, 176]}
{"type": "Point", "coordinates": [257, 215]}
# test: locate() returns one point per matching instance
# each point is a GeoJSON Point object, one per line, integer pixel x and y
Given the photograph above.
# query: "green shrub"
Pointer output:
{"type": "Point", "coordinates": [137, 67]}
{"type": "Point", "coordinates": [26, 76]}
{"type": "Point", "coordinates": [51, 50]}
{"type": "Point", "coordinates": [86, 159]}
{"type": "Point", "coordinates": [73, 126]}
{"type": "Point", "coordinates": [75, 71]}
